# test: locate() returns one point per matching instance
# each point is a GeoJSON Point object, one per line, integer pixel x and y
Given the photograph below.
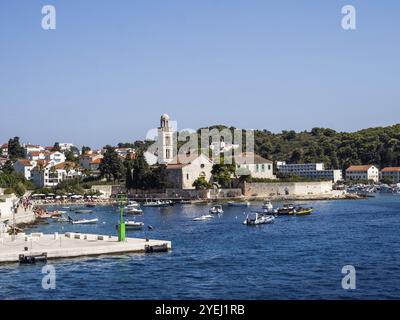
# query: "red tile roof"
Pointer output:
{"type": "Point", "coordinates": [360, 168]}
{"type": "Point", "coordinates": [391, 169]}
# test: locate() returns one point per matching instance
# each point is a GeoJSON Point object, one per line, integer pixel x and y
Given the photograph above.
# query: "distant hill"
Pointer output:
{"type": "Point", "coordinates": [379, 146]}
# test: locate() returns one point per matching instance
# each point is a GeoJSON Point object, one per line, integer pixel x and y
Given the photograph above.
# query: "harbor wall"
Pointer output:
{"type": "Point", "coordinates": [172, 193]}
{"type": "Point", "coordinates": [282, 189]}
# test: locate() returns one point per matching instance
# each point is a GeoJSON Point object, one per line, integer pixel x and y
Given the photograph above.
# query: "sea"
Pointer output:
{"type": "Point", "coordinates": [297, 257]}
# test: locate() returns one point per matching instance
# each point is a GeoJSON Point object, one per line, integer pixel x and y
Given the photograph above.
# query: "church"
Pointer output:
{"type": "Point", "coordinates": [183, 170]}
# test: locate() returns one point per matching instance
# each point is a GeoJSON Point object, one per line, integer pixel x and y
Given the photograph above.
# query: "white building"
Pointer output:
{"type": "Point", "coordinates": [36, 155]}
{"type": "Point", "coordinates": [309, 170]}
{"type": "Point", "coordinates": [66, 146]}
{"type": "Point", "coordinates": [364, 172]}
{"type": "Point", "coordinates": [4, 150]}
{"type": "Point", "coordinates": [184, 170]}
{"type": "Point", "coordinates": [52, 174]}
{"type": "Point", "coordinates": [249, 163]}
{"type": "Point", "coordinates": [90, 161]}
{"type": "Point", "coordinates": [25, 167]}
{"type": "Point", "coordinates": [33, 148]}
{"type": "Point", "coordinates": [56, 156]}
{"type": "Point", "coordinates": [390, 173]}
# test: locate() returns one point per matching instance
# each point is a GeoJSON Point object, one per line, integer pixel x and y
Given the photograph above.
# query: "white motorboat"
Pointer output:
{"type": "Point", "coordinates": [239, 204]}
{"type": "Point", "coordinates": [267, 206]}
{"type": "Point", "coordinates": [217, 209]}
{"type": "Point", "coordinates": [256, 218]}
{"type": "Point", "coordinates": [84, 211]}
{"type": "Point", "coordinates": [85, 221]}
{"type": "Point", "coordinates": [157, 203]}
{"type": "Point", "coordinates": [134, 225]}
{"type": "Point", "coordinates": [203, 218]}
{"type": "Point", "coordinates": [133, 207]}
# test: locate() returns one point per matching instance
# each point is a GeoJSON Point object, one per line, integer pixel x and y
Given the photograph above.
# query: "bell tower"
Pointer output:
{"type": "Point", "coordinates": [165, 141]}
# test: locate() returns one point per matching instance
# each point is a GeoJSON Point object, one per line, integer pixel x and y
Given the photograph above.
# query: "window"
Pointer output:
{"type": "Point", "coordinates": [187, 176]}
{"type": "Point", "coordinates": [202, 165]}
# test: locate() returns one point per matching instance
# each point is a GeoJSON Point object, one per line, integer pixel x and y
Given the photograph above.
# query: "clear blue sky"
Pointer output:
{"type": "Point", "coordinates": [113, 67]}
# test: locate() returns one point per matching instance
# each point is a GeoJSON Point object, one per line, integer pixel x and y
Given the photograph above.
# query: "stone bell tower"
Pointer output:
{"type": "Point", "coordinates": [165, 141]}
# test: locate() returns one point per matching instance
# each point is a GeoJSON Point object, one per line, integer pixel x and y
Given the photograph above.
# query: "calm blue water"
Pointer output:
{"type": "Point", "coordinates": [295, 258]}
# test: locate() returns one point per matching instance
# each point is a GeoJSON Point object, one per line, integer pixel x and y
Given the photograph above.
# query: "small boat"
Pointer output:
{"type": "Point", "coordinates": [60, 219]}
{"type": "Point", "coordinates": [285, 210]}
{"type": "Point", "coordinates": [203, 218]}
{"type": "Point", "coordinates": [267, 206]}
{"type": "Point", "coordinates": [158, 203]}
{"type": "Point", "coordinates": [217, 209]}
{"type": "Point", "coordinates": [301, 211]}
{"type": "Point", "coordinates": [133, 207]}
{"type": "Point", "coordinates": [239, 204]}
{"type": "Point", "coordinates": [256, 218]}
{"type": "Point", "coordinates": [84, 221]}
{"type": "Point", "coordinates": [83, 211]}
{"type": "Point", "coordinates": [134, 225]}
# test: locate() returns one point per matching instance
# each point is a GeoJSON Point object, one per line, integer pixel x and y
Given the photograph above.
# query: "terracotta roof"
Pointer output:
{"type": "Point", "coordinates": [35, 153]}
{"type": "Point", "coordinates": [5, 145]}
{"type": "Point", "coordinates": [96, 161]}
{"type": "Point", "coordinates": [62, 165]}
{"type": "Point", "coordinates": [391, 169]}
{"type": "Point", "coordinates": [250, 158]}
{"type": "Point", "coordinates": [182, 160]}
{"type": "Point", "coordinates": [359, 168]}
{"type": "Point", "coordinates": [25, 163]}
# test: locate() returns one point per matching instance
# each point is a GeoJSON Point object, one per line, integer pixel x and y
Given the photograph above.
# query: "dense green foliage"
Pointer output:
{"type": "Point", "coordinates": [15, 150]}
{"type": "Point", "coordinates": [14, 183]}
{"type": "Point", "coordinates": [139, 175]}
{"type": "Point", "coordinates": [379, 146]}
{"type": "Point", "coordinates": [111, 167]}
{"type": "Point", "coordinates": [201, 184]}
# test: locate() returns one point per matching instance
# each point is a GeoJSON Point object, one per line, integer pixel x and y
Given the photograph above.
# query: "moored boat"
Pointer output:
{"type": "Point", "coordinates": [203, 218]}
{"type": "Point", "coordinates": [256, 218]}
{"type": "Point", "coordinates": [217, 209]}
{"type": "Point", "coordinates": [267, 206]}
{"type": "Point", "coordinates": [239, 204]}
{"type": "Point", "coordinates": [84, 221]}
{"type": "Point", "coordinates": [158, 203]}
{"type": "Point", "coordinates": [133, 207]}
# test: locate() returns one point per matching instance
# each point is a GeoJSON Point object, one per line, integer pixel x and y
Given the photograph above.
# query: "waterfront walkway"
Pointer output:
{"type": "Point", "coordinates": [70, 245]}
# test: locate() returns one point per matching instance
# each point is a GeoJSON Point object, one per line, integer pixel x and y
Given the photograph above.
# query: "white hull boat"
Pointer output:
{"type": "Point", "coordinates": [257, 218]}
{"type": "Point", "coordinates": [158, 203]}
{"type": "Point", "coordinates": [203, 218]}
{"type": "Point", "coordinates": [133, 225]}
{"type": "Point", "coordinates": [216, 210]}
{"type": "Point", "coordinates": [85, 221]}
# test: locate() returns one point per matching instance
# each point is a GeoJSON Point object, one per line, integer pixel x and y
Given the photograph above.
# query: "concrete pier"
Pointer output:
{"type": "Point", "coordinates": [70, 245]}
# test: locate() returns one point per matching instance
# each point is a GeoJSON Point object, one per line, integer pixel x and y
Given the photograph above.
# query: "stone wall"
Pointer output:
{"type": "Point", "coordinates": [287, 189]}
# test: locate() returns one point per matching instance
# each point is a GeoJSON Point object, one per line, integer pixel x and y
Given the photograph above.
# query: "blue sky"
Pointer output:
{"type": "Point", "coordinates": [111, 68]}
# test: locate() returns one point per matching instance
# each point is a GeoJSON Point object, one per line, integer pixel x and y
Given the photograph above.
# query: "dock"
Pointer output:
{"type": "Point", "coordinates": [72, 245]}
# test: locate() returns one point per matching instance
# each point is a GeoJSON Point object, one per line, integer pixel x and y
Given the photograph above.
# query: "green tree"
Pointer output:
{"type": "Point", "coordinates": [56, 147]}
{"type": "Point", "coordinates": [85, 149]}
{"type": "Point", "coordinates": [8, 167]}
{"type": "Point", "coordinates": [140, 172]}
{"type": "Point", "coordinates": [201, 184]}
{"type": "Point", "coordinates": [15, 150]}
{"type": "Point", "coordinates": [111, 165]}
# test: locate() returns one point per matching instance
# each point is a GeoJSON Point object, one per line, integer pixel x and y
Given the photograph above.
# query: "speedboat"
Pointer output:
{"type": "Point", "coordinates": [217, 209]}
{"type": "Point", "coordinates": [267, 206]}
{"type": "Point", "coordinates": [85, 221]}
{"type": "Point", "coordinates": [285, 210]}
{"type": "Point", "coordinates": [158, 203]}
{"type": "Point", "coordinates": [203, 218]}
{"type": "Point", "coordinates": [83, 211]}
{"type": "Point", "coordinates": [239, 204]}
{"type": "Point", "coordinates": [134, 225]}
{"type": "Point", "coordinates": [256, 218]}
{"type": "Point", "coordinates": [133, 207]}
{"type": "Point", "coordinates": [301, 211]}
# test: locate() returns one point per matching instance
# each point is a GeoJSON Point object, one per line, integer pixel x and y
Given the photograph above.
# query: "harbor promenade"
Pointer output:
{"type": "Point", "coordinates": [70, 245]}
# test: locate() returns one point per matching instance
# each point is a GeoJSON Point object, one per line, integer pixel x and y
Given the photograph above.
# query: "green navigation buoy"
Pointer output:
{"type": "Point", "coordinates": [121, 198]}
